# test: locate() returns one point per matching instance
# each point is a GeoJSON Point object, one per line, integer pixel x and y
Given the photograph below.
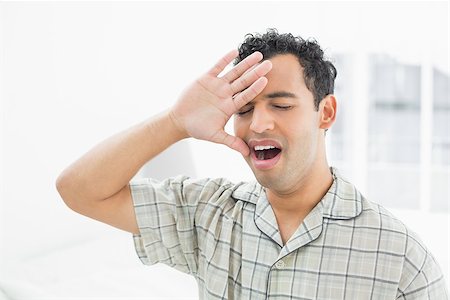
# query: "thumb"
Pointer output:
{"type": "Point", "coordinates": [235, 143]}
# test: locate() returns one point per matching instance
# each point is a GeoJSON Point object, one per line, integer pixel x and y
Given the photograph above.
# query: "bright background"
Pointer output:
{"type": "Point", "coordinates": [72, 74]}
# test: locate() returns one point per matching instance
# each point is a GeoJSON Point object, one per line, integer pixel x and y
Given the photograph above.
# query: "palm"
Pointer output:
{"type": "Point", "coordinates": [206, 106]}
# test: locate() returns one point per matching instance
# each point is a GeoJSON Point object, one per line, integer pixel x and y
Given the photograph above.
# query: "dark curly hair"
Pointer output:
{"type": "Point", "coordinates": [319, 73]}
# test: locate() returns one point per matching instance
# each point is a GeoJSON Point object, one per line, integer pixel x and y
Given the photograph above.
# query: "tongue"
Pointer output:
{"type": "Point", "coordinates": [267, 154]}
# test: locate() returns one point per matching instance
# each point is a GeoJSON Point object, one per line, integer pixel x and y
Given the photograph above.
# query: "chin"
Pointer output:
{"type": "Point", "coordinates": [269, 182]}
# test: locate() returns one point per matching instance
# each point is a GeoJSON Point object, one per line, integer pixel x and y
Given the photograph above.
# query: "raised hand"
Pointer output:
{"type": "Point", "coordinates": [205, 107]}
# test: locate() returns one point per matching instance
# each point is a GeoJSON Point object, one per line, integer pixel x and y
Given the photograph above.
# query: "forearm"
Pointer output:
{"type": "Point", "coordinates": [109, 166]}
{"type": "Point", "coordinates": [96, 185]}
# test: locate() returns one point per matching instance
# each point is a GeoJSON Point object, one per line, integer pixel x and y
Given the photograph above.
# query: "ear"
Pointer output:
{"type": "Point", "coordinates": [327, 112]}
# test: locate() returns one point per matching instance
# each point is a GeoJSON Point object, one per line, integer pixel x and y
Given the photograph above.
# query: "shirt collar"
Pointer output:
{"type": "Point", "coordinates": [342, 201]}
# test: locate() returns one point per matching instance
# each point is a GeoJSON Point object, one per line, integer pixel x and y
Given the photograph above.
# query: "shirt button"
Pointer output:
{"type": "Point", "coordinates": [280, 264]}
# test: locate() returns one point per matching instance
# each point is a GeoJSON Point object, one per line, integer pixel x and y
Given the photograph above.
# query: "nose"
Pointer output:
{"type": "Point", "coordinates": [261, 120]}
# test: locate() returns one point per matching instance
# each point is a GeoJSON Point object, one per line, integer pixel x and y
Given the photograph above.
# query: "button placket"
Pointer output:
{"type": "Point", "coordinates": [280, 264]}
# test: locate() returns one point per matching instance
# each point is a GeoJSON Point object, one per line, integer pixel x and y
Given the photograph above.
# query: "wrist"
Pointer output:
{"type": "Point", "coordinates": [163, 130]}
{"type": "Point", "coordinates": [179, 131]}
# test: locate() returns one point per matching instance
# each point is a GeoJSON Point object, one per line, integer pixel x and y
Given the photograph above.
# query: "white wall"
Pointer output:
{"type": "Point", "coordinates": [75, 73]}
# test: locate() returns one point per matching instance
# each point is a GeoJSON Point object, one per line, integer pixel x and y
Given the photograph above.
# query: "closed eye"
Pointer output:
{"type": "Point", "coordinates": [244, 111]}
{"type": "Point", "coordinates": [283, 107]}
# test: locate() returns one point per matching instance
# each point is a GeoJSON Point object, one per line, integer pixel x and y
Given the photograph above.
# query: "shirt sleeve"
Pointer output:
{"type": "Point", "coordinates": [422, 277]}
{"type": "Point", "coordinates": [166, 215]}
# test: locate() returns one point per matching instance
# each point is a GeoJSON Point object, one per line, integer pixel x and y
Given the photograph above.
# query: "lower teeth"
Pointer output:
{"type": "Point", "coordinates": [261, 155]}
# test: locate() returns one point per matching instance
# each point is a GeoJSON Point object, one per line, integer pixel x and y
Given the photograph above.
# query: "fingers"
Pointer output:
{"type": "Point", "coordinates": [250, 77]}
{"type": "Point", "coordinates": [249, 62]}
{"type": "Point", "coordinates": [233, 142]}
{"type": "Point", "coordinates": [250, 93]}
{"type": "Point", "coordinates": [223, 62]}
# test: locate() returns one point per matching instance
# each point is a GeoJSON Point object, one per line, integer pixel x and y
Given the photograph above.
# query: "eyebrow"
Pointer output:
{"type": "Point", "coordinates": [274, 95]}
{"type": "Point", "coordinates": [280, 94]}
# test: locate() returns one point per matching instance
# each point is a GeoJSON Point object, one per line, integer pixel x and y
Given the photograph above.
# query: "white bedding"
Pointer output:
{"type": "Point", "coordinates": [107, 268]}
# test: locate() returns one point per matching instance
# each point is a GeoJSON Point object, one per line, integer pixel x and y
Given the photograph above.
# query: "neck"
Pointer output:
{"type": "Point", "coordinates": [290, 209]}
{"type": "Point", "coordinates": [304, 197]}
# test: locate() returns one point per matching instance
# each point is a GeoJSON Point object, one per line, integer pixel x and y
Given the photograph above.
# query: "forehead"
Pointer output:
{"type": "Point", "coordinates": [286, 74]}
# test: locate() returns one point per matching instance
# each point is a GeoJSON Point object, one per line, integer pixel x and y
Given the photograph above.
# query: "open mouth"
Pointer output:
{"type": "Point", "coordinates": [266, 152]}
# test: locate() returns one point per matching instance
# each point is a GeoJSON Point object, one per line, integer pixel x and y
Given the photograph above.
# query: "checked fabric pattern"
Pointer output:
{"type": "Point", "coordinates": [226, 236]}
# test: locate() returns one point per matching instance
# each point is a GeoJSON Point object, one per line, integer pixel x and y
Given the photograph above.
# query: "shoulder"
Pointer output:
{"type": "Point", "coordinates": [372, 222]}
{"type": "Point", "coordinates": [418, 270]}
{"type": "Point", "coordinates": [419, 264]}
{"type": "Point", "coordinates": [392, 229]}
{"type": "Point", "coordinates": [189, 189]}
{"type": "Point", "coordinates": [374, 214]}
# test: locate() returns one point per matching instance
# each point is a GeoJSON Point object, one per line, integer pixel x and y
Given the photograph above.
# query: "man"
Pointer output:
{"type": "Point", "coordinates": [300, 232]}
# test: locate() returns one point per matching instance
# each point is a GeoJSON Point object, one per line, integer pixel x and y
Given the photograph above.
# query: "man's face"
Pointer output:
{"type": "Point", "coordinates": [281, 116]}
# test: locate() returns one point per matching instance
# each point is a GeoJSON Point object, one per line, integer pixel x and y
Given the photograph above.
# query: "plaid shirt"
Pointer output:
{"type": "Point", "coordinates": [226, 235]}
